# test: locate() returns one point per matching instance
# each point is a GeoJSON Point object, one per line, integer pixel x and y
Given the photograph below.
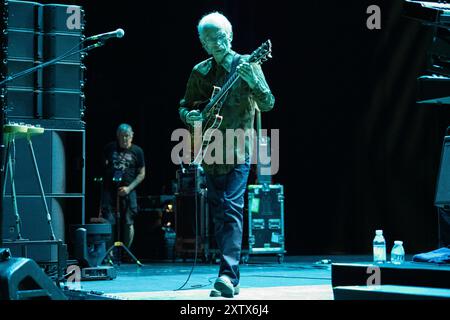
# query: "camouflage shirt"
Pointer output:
{"type": "Point", "coordinates": [238, 109]}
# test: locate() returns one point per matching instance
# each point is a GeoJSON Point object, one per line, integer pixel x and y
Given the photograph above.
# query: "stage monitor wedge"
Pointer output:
{"type": "Point", "coordinates": [23, 279]}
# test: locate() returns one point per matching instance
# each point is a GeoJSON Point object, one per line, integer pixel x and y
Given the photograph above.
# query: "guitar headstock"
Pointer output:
{"type": "Point", "coordinates": [262, 54]}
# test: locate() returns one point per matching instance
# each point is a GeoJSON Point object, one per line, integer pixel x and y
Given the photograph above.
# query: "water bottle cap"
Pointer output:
{"type": "Point", "coordinates": [398, 242]}
{"type": "Point", "coordinates": [378, 232]}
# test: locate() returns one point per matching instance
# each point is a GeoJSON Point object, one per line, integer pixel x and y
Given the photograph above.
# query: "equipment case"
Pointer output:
{"type": "Point", "coordinates": [266, 220]}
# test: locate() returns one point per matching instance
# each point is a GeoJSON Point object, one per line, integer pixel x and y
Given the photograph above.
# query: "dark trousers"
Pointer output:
{"type": "Point", "coordinates": [226, 201]}
{"type": "Point", "coordinates": [444, 227]}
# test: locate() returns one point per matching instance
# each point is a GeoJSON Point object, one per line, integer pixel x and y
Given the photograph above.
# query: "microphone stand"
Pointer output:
{"type": "Point", "coordinates": [50, 62]}
{"type": "Point", "coordinates": [10, 78]}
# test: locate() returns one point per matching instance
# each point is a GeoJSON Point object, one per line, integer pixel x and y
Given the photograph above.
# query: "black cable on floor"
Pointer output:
{"type": "Point", "coordinates": [210, 282]}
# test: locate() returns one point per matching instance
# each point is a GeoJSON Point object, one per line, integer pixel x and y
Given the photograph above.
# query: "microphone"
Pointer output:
{"type": "Point", "coordinates": [119, 33]}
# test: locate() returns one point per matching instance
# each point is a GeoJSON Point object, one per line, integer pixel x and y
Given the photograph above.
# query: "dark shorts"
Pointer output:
{"type": "Point", "coordinates": [127, 205]}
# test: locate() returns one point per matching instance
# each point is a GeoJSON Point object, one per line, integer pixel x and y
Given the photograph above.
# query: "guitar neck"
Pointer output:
{"type": "Point", "coordinates": [226, 87]}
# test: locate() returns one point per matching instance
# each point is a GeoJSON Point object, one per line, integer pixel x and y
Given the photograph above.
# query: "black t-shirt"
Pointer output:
{"type": "Point", "coordinates": [123, 164]}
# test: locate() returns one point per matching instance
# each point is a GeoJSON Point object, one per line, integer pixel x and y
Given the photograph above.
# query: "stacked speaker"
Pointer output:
{"type": "Point", "coordinates": [53, 98]}
{"type": "Point", "coordinates": [34, 33]}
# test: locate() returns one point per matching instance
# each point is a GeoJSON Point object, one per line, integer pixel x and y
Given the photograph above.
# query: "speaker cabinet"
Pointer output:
{"type": "Point", "coordinates": [56, 44]}
{"type": "Point", "coordinates": [64, 76]}
{"type": "Point", "coordinates": [13, 66]}
{"type": "Point", "coordinates": [50, 152]}
{"type": "Point", "coordinates": [23, 14]}
{"type": "Point", "coordinates": [34, 226]}
{"type": "Point", "coordinates": [24, 44]}
{"type": "Point", "coordinates": [60, 159]}
{"type": "Point", "coordinates": [58, 18]}
{"type": "Point", "coordinates": [22, 103]}
{"type": "Point", "coordinates": [63, 104]}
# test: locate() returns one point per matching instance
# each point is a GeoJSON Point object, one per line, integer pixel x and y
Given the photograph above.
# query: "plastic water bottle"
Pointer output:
{"type": "Point", "coordinates": [398, 253]}
{"type": "Point", "coordinates": [379, 247]}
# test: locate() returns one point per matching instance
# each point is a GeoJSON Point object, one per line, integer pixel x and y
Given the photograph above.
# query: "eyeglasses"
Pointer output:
{"type": "Point", "coordinates": [219, 37]}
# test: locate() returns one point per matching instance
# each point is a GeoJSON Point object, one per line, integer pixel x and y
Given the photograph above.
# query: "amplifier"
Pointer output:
{"type": "Point", "coordinates": [190, 180]}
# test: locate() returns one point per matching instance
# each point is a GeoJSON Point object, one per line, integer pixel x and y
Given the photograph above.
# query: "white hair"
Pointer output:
{"type": "Point", "coordinates": [215, 19]}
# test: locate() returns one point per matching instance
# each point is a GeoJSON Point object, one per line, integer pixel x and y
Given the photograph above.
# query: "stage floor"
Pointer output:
{"type": "Point", "coordinates": [262, 278]}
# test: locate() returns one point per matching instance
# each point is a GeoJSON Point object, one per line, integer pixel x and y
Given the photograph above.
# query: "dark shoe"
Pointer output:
{"type": "Point", "coordinates": [225, 287]}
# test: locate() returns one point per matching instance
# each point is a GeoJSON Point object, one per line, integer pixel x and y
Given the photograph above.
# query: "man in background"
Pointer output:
{"type": "Point", "coordinates": [124, 171]}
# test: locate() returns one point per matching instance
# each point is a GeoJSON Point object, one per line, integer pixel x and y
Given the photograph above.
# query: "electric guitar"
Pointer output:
{"type": "Point", "coordinates": [211, 112]}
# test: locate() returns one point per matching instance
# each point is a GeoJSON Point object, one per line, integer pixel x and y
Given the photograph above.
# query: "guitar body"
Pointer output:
{"type": "Point", "coordinates": [205, 129]}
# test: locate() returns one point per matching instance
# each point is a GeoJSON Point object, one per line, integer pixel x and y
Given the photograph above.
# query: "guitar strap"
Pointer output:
{"type": "Point", "coordinates": [234, 65]}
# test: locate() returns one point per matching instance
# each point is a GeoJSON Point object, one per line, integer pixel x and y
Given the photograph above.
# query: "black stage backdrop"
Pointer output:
{"type": "Point", "coordinates": [356, 153]}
